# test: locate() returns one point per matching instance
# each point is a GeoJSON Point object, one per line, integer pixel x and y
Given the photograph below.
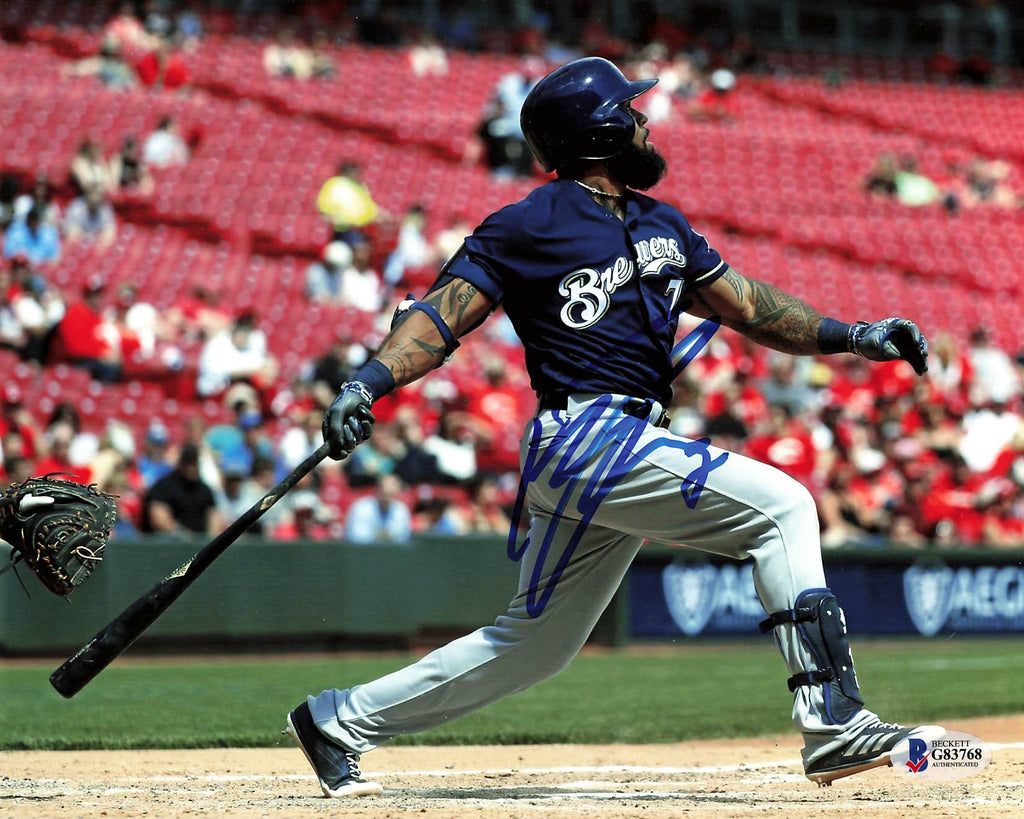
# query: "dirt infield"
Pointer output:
{"type": "Point", "coordinates": [732, 778]}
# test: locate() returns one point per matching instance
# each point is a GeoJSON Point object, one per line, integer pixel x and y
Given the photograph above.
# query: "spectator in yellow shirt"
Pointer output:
{"type": "Point", "coordinates": [346, 203]}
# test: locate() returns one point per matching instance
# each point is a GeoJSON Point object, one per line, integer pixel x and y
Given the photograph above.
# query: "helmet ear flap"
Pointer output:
{"type": "Point", "coordinates": [543, 153]}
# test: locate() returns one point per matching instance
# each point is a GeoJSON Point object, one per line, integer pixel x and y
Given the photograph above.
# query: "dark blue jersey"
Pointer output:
{"type": "Point", "coordinates": [595, 299]}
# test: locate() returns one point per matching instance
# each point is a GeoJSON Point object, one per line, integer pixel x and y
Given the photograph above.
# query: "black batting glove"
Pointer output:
{"type": "Point", "coordinates": [891, 339]}
{"type": "Point", "coordinates": [348, 420]}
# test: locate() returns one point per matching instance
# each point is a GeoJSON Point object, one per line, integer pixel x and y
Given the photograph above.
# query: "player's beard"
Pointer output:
{"type": "Point", "coordinates": [638, 168]}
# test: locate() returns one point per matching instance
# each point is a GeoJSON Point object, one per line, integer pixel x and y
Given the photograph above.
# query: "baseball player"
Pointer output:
{"type": "Point", "coordinates": [593, 276]}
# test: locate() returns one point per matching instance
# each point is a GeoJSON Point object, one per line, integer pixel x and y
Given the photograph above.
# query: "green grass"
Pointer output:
{"type": "Point", "coordinates": [677, 693]}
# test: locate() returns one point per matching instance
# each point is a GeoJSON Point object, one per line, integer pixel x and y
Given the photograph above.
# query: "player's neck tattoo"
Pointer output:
{"type": "Point", "coordinates": [598, 192]}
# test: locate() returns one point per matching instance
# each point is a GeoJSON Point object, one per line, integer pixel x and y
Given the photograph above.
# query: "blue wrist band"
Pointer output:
{"type": "Point", "coordinates": [833, 336]}
{"type": "Point", "coordinates": [375, 376]}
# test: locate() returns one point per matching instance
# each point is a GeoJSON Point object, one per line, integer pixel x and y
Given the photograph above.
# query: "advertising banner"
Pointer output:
{"type": "Point", "coordinates": [881, 594]}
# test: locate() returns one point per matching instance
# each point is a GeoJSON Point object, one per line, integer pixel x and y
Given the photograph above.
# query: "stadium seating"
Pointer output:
{"type": "Point", "coordinates": [789, 166]}
{"type": "Point", "coordinates": [778, 187]}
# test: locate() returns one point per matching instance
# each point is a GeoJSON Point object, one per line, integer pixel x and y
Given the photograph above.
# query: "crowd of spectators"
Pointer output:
{"type": "Point", "coordinates": [42, 220]}
{"type": "Point", "coordinates": [288, 58]}
{"type": "Point", "coordinates": [146, 50]}
{"type": "Point", "coordinates": [889, 458]}
{"type": "Point", "coordinates": [347, 273]}
{"type": "Point", "coordinates": [34, 222]}
{"type": "Point", "coordinates": [977, 183]}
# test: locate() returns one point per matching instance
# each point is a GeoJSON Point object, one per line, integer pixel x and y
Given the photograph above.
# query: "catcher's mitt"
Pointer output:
{"type": "Point", "coordinates": [58, 527]}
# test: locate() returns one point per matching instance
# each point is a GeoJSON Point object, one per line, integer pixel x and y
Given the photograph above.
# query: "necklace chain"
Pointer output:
{"type": "Point", "coordinates": [597, 192]}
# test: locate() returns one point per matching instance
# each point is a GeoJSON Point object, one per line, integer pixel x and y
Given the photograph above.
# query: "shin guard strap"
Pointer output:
{"type": "Point", "coordinates": [802, 614]}
{"type": "Point", "coordinates": [816, 677]}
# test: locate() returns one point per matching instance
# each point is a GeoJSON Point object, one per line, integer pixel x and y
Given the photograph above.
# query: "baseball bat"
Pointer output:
{"type": "Point", "coordinates": [77, 671]}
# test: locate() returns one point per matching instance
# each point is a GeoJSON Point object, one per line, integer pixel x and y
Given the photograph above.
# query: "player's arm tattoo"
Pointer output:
{"type": "Point", "coordinates": [763, 313]}
{"type": "Point", "coordinates": [415, 346]}
{"type": "Point", "coordinates": [736, 283]}
{"type": "Point", "coordinates": [782, 321]}
{"type": "Point", "coordinates": [453, 301]}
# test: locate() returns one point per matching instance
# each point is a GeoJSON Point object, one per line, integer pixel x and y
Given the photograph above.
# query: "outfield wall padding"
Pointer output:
{"type": "Point", "coordinates": [332, 595]}
{"type": "Point", "coordinates": [312, 593]}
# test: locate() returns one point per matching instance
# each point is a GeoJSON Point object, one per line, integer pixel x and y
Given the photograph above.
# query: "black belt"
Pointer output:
{"type": "Point", "coordinates": [637, 407]}
{"type": "Point", "coordinates": [552, 401]}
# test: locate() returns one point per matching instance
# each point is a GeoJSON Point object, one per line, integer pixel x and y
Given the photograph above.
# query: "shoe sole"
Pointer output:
{"type": "Point", "coordinates": [826, 778]}
{"type": "Point", "coordinates": [352, 790]}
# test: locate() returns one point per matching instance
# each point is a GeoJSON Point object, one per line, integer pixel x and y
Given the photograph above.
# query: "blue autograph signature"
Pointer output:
{"type": "Point", "coordinates": [615, 463]}
{"type": "Point", "coordinates": [691, 344]}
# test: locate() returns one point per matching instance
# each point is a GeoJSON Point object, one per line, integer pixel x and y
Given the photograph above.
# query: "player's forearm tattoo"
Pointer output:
{"type": "Point", "coordinates": [780, 321]}
{"type": "Point", "coordinates": [410, 358]}
{"type": "Point", "coordinates": [410, 350]}
{"type": "Point", "coordinates": [736, 282]}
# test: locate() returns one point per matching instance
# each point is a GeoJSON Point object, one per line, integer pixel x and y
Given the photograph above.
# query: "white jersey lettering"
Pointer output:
{"type": "Point", "coordinates": [587, 298]}
{"type": "Point", "coordinates": [589, 292]}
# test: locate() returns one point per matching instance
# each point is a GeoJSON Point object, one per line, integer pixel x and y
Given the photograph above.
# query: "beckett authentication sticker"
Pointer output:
{"type": "Point", "coordinates": [955, 756]}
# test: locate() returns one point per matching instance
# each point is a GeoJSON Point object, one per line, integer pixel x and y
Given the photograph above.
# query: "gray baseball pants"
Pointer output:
{"type": "Point", "coordinates": [599, 482]}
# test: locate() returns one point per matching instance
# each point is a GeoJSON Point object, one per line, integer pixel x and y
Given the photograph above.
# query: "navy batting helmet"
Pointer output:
{"type": "Point", "coordinates": [575, 112]}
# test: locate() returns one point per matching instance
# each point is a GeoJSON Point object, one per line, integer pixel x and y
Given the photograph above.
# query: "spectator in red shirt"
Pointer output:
{"type": "Point", "coordinates": [162, 67]}
{"type": "Point", "coordinates": [597, 39]}
{"type": "Point", "coordinates": [838, 430]}
{"type": "Point", "coordinates": [740, 397]}
{"type": "Point", "coordinates": [483, 512]}
{"type": "Point", "coordinates": [716, 102]}
{"type": "Point", "coordinates": [949, 368]}
{"type": "Point", "coordinates": [909, 521]}
{"type": "Point", "coordinates": [87, 339]}
{"type": "Point", "coordinates": [851, 386]}
{"type": "Point", "coordinates": [879, 483]}
{"type": "Point", "coordinates": [847, 516]}
{"type": "Point", "coordinates": [496, 410]}
{"type": "Point", "coordinates": [890, 380]}
{"type": "Point", "coordinates": [952, 505]}
{"type": "Point", "coordinates": [786, 444]}
{"type": "Point", "coordinates": [1009, 463]}
{"type": "Point", "coordinates": [1002, 527]}
{"type": "Point", "coordinates": [16, 420]}
{"type": "Point", "coordinates": [198, 315]}
{"type": "Point", "coordinates": [58, 460]}
{"type": "Point", "coordinates": [306, 521]}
